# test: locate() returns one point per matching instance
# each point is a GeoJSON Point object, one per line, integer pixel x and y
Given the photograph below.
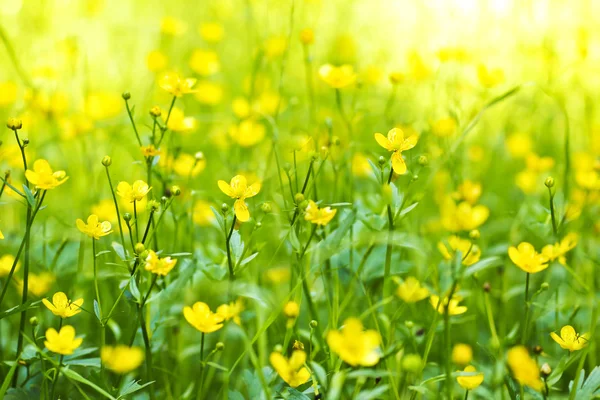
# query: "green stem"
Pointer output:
{"type": "Point", "coordinates": [552, 213]}
{"type": "Point", "coordinates": [60, 361]}
{"type": "Point", "coordinates": [112, 192]}
{"type": "Point", "coordinates": [229, 259]}
{"type": "Point", "coordinates": [148, 349]}
{"type": "Point", "coordinates": [137, 135]}
{"type": "Point", "coordinates": [526, 325]}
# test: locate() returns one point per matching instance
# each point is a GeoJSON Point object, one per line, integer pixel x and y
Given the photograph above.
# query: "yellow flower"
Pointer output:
{"type": "Point", "coordinates": [539, 164]}
{"type": "Point", "coordinates": [231, 311]}
{"type": "Point", "coordinates": [292, 371]}
{"type": "Point", "coordinates": [135, 192]}
{"type": "Point", "coordinates": [569, 339]}
{"type": "Point", "coordinates": [172, 26]}
{"type": "Point", "coordinates": [8, 93]}
{"type": "Point", "coordinates": [462, 354]}
{"type": "Point", "coordinates": [470, 382]}
{"type": "Point", "coordinates": [149, 151]}
{"type": "Point", "coordinates": [202, 214]}
{"type": "Point", "coordinates": [355, 346]}
{"type": "Point", "coordinates": [470, 252]}
{"type": "Point", "coordinates": [103, 105]}
{"type": "Point", "coordinates": [205, 62]}
{"type": "Point", "coordinates": [411, 291]}
{"type": "Point", "coordinates": [201, 318]}
{"type": "Point", "coordinates": [524, 368]}
{"type": "Point", "coordinates": [156, 61]}
{"type": "Point", "coordinates": [360, 165]}
{"type": "Point", "coordinates": [1, 236]}
{"type": "Point", "coordinates": [464, 216]}
{"type": "Point", "coordinates": [209, 93]}
{"type": "Point", "coordinates": [468, 191]}
{"type": "Point", "coordinates": [275, 46]}
{"type": "Point", "coordinates": [319, 216]}
{"type": "Point", "coordinates": [444, 127]}
{"type": "Point", "coordinates": [278, 274]}
{"type": "Point", "coordinates": [238, 189]}
{"type": "Point", "coordinates": [337, 77]}
{"type": "Point", "coordinates": [43, 177]}
{"type": "Point", "coordinates": [187, 165]}
{"type": "Point", "coordinates": [489, 77]}
{"type": "Point", "coordinates": [178, 122]}
{"type": "Point", "coordinates": [62, 307]}
{"type": "Point", "coordinates": [396, 77]}
{"type": "Point", "coordinates": [519, 144]}
{"type": "Point", "coordinates": [176, 85]}
{"type": "Point", "coordinates": [248, 133]}
{"type": "Point", "coordinates": [121, 359]}
{"type": "Point", "coordinates": [94, 228]}
{"type": "Point", "coordinates": [291, 309]}
{"type": "Point", "coordinates": [307, 36]}
{"type": "Point", "coordinates": [453, 307]}
{"type": "Point", "coordinates": [211, 31]}
{"type": "Point", "coordinates": [157, 265]}
{"type": "Point", "coordinates": [63, 342]}
{"type": "Point", "coordinates": [525, 257]}
{"type": "Point", "coordinates": [6, 262]}
{"type": "Point", "coordinates": [397, 142]}
{"type": "Point", "coordinates": [558, 250]}
{"type": "Point", "coordinates": [38, 285]}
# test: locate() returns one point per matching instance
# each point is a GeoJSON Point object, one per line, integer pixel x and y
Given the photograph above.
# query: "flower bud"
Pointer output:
{"type": "Point", "coordinates": [291, 309]}
{"type": "Point", "coordinates": [127, 217]}
{"type": "Point", "coordinates": [423, 160]}
{"type": "Point", "coordinates": [303, 205]}
{"type": "Point", "coordinates": [278, 348]}
{"type": "Point", "coordinates": [307, 36]}
{"type": "Point", "coordinates": [14, 124]}
{"type": "Point", "coordinates": [126, 96]}
{"type": "Point", "coordinates": [545, 370]}
{"type": "Point", "coordinates": [106, 161]}
{"type": "Point", "coordinates": [335, 141]}
{"type": "Point", "coordinates": [199, 156]}
{"type": "Point", "coordinates": [298, 198]}
{"type": "Point", "coordinates": [409, 324]}
{"type": "Point", "coordinates": [412, 363]}
{"type": "Point", "coordinates": [545, 286]}
{"type": "Point", "coordinates": [298, 345]}
{"type": "Point", "coordinates": [487, 287]}
{"type": "Point", "coordinates": [381, 161]}
{"type": "Point", "coordinates": [313, 324]}
{"type": "Point", "coordinates": [538, 349]}
{"type": "Point", "coordinates": [329, 122]}
{"type": "Point", "coordinates": [224, 208]}
{"type": "Point", "coordinates": [155, 111]}
{"type": "Point", "coordinates": [176, 190]}
{"type": "Point", "coordinates": [153, 205]}
{"type": "Point", "coordinates": [474, 234]}
{"type": "Point", "coordinates": [25, 142]}
{"type": "Point", "coordinates": [549, 182]}
{"type": "Point", "coordinates": [266, 207]}
{"type": "Point", "coordinates": [33, 321]}
{"type": "Point", "coordinates": [220, 346]}
{"type": "Point", "coordinates": [139, 248]}
{"type": "Point", "coordinates": [415, 177]}
{"type": "Point", "coordinates": [287, 167]}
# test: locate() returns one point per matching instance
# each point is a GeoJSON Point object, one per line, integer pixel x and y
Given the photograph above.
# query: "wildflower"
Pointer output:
{"type": "Point", "coordinates": [6, 262]}
{"type": "Point", "coordinates": [62, 342]}
{"type": "Point", "coordinates": [470, 252]}
{"type": "Point", "coordinates": [470, 382]}
{"type": "Point", "coordinates": [319, 216]}
{"type": "Point", "coordinates": [157, 265]}
{"type": "Point", "coordinates": [176, 85]}
{"type": "Point", "coordinates": [202, 214]}
{"type": "Point", "coordinates": [307, 36]}
{"type": "Point", "coordinates": [205, 62]}
{"type": "Point", "coordinates": [292, 371]}
{"type": "Point", "coordinates": [412, 363]}
{"type": "Point", "coordinates": [238, 189]}
{"type": "Point", "coordinates": [149, 151]}
{"type": "Point", "coordinates": [187, 165]}
{"type": "Point", "coordinates": [464, 216]}
{"type": "Point", "coordinates": [462, 354]}
{"type": "Point", "coordinates": [453, 307]}
{"type": "Point", "coordinates": [14, 124]}
{"type": "Point", "coordinates": [524, 368]}
{"type": "Point", "coordinates": [525, 257]}
{"type": "Point", "coordinates": [468, 191]}
{"type": "Point", "coordinates": [444, 127]}
{"type": "Point", "coordinates": [94, 228]}
{"type": "Point", "coordinates": [489, 77]}
{"type": "Point", "coordinates": [519, 144]}
{"type": "Point", "coordinates": [121, 359]}
{"type": "Point", "coordinates": [231, 311]}
{"type": "Point", "coordinates": [37, 285]}
{"type": "Point", "coordinates": [209, 93]}
{"type": "Point", "coordinates": [569, 339]}
{"type": "Point", "coordinates": [132, 193]}
{"type": "Point", "coordinates": [248, 132]}
{"type": "Point", "coordinates": [172, 26]}
{"type": "Point", "coordinates": [355, 346]}
{"type": "Point", "coordinates": [558, 250]}
{"type": "Point", "coordinates": [397, 142]}
{"type": "Point", "coordinates": [1, 236]}
{"type": "Point", "coordinates": [178, 122]}
{"type": "Point", "coordinates": [43, 177]}
{"type": "Point", "coordinates": [360, 165]}
{"type": "Point", "coordinates": [102, 105]}
{"type": "Point", "coordinates": [8, 93]}
{"type": "Point", "coordinates": [202, 318]}
{"type": "Point", "coordinates": [275, 46]}
{"type": "Point", "coordinates": [337, 77]}
{"type": "Point", "coordinates": [396, 77]}
{"type": "Point", "coordinates": [62, 307]}
{"type": "Point", "coordinates": [156, 61]}
{"type": "Point", "coordinates": [211, 31]}
{"type": "Point", "coordinates": [411, 291]}
{"type": "Point", "coordinates": [291, 309]}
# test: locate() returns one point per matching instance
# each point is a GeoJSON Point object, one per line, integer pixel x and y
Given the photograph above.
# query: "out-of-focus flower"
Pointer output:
{"type": "Point", "coordinates": [178, 122]}
{"type": "Point", "coordinates": [458, 54]}
{"type": "Point", "coordinates": [205, 62]}
{"type": "Point", "coordinates": [519, 144]}
{"type": "Point", "coordinates": [524, 368]}
{"type": "Point", "coordinates": [355, 346]}
{"type": "Point", "coordinates": [397, 142]}
{"type": "Point", "coordinates": [103, 105]}
{"type": "Point", "coordinates": [202, 318]}
{"type": "Point", "coordinates": [209, 93]}
{"type": "Point", "coordinates": [238, 189]}
{"type": "Point", "coordinates": [558, 250]}
{"type": "Point", "coordinates": [231, 311]}
{"type": "Point", "coordinates": [174, 84]}
{"type": "Point", "coordinates": [172, 26]}
{"type": "Point", "coordinates": [470, 382]}
{"type": "Point", "coordinates": [248, 132]}
{"type": "Point", "coordinates": [292, 371]}
{"type": "Point", "coordinates": [468, 191]}
{"type": "Point", "coordinates": [569, 339]}
{"type": "Point", "coordinates": [275, 46]}
{"type": "Point", "coordinates": [38, 285]}
{"type": "Point", "coordinates": [411, 291]}
{"type": "Point", "coordinates": [157, 265]}
{"type": "Point", "coordinates": [156, 61]}
{"type": "Point", "coordinates": [371, 75]}
{"type": "Point", "coordinates": [62, 307]}
{"type": "Point", "coordinates": [8, 93]}
{"type": "Point", "coordinates": [396, 77]}
{"type": "Point", "coordinates": [94, 228]}
{"type": "Point", "coordinates": [462, 354]}
{"type": "Point", "coordinates": [150, 151]}
{"type": "Point", "coordinates": [525, 257]}
{"type": "Point", "coordinates": [307, 36]}
{"type": "Point", "coordinates": [187, 165]}
{"type": "Point", "coordinates": [489, 77]}
{"type": "Point", "coordinates": [418, 68]}
{"type": "Point", "coordinates": [121, 359]}
{"type": "Point", "coordinates": [360, 165]}
{"type": "Point", "coordinates": [444, 127]}
{"type": "Point", "coordinates": [43, 177]}
{"type": "Point", "coordinates": [211, 32]}
{"type": "Point", "coordinates": [135, 192]}
{"type": "Point", "coordinates": [62, 342]}
{"type": "Point", "coordinates": [337, 77]}
{"type": "Point", "coordinates": [453, 307]}
{"type": "Point", "coordinates": [319, 216]}
{"type": "Point", "coordinates": [291, 309]}
{"type": "Point", "coordinates": [470, 252]}
{"type": "Point", "coordinates": [464, 216]}
{"type": "Point", "coordinates": [202, 214]}
{"type": "Point", "coordinates": [6, 262]}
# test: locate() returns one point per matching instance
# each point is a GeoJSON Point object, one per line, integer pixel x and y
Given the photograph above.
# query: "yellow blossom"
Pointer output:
{"type": "Point", "coordinates": [307, 36]}
{"type": "Point", "coordinates": [411, 291]}
{"type": "Point", "coordinates": [174, 84]}
{"type": "Point", "coordinates": [94, 228]}
{"type": "Point", "coordinates": [453, 307]}
{"type": "Point", "coordinates": [292, 371]}
{"type": "Point", "coordinates": [8, 93]}
{"type": "Point", "coordinates": [37, 285]}
{"type": "Point", "coordinates": [355, 346]}
{"type": "Point", "coordinates": [238, 189]}
{"type": "Point", "coordinates": [464, 216]}
{"type": "Point", "coordinates": [278, 275]}
{"type": "Point", "coordinates": [121, 359]}
{"type": "Point", "coordinates": [135, 192]}
{"type": "Point", "coordinates": [211, 32]}
{"type": "Point", "coordinates": [444, 127]}
{"type": "Point", "coordinates": [360, 165]}
{"type": "Point", "coordinates": [525, 257]}
{"type": "Point", "coordinates": [43, 177]}
{"type": "Point", "coordinates": [558, 250]}
{"type": "Point", "coordinates": [202, 214]}
{"type": "Point", "coordinates": [470, 382]}
{"type": "Point", "coordinates": [337, 77]}
{"type": "Point", "coordinates": [62, 307]}
{"type": "Point", "coordinates": [63, 342]}
{"type": "Point", "coordinates": [157, 265]}
{"type": "Point", "coordinates": [1, 236]}
{"type": "Point", "coordinates": [470, 252]}
{"type": "Point", "coordinates": [178, 122]}
{"type": "Point", "coordinates": [291, 309]}
{"type": "Point", "coordinates": [187, 165]}
{"type": "Point", "coordinates": [524, 368]}
{"type": "Point", "coordinates": [396, 77]}
{"type": "Point", "coordinates": [397, 142]}
{"type": "Point", "coordinates": [102, 105]}
{"type": "Point", "coordinates": [248, 132]}
{"type": "Point", "coordinates": [275, 46]}
{"type": "Point", "coordinates": [172, 26]}
{"type": "Point", "coordinates": [205, 62]}
{"type": "Point", "coordinates": [569, 339]}
{"type": "Point", "coordinates": [209, 93]}
{"type": "Point", "coordinates": [156, 61]}
{"type": "Point", "coordinates": [6, 262]}
{"type": "Point", "coordinates": [462, 354]}
{"type": "Point", "coordinates": [489, 77]}
{"type": "Point", "coordinates": [231, 311]}
{"type": "Point", "coordinates": [519, 144]}
{"type": "Point", "coordinates": [468, 191]}
{"type": "Point", "coordinates": [202, 318]}
{"type": "Point", "coordinates": [149, 151]}
{"type": "Point", "coordinates": [319, 216]}
{"type": "Point", "coordinates": [537, 163]}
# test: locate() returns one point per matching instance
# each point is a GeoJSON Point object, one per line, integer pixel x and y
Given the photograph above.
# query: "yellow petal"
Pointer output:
{"type": "Point", "coordinates": [225, 188]}
{"type": "Point", "coordinates": [398, 163]}
{"type": "Point", "coordinates": [383, 141]}
{"type": "Point", "coordinates": [241, 210]}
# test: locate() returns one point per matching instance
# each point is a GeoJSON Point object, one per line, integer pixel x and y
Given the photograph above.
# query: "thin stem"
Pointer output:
{"type": "Point", "coordinates": [137, 135]}
{"type": "Point", "coordinates": [229, 259]}
{"type": "Point", "coordinates": [165, 129]}
{"type": "Point", "coordinates": [60, 361]}
{"type": "Point", "coordinates": [552, 213]}
{"type": "Point", "coordinates": [147, 347]}
{"type": "Point", "coordinates": [112, 192]}
{"type": "Point", "coordinates": [202, 367]}
{"type": "Point", "coordinates": [526, 325]}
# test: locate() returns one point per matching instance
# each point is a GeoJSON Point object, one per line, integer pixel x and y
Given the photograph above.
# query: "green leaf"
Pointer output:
{"type": "Point", "coordinates": [118, 248]}
{"type": "Point", "coordinates": [132, 387]}
{"type": "Point", "coordinates": [337, 384]}
{"type": "Point", "coordinates": [18, 309]}
{"type": "Point", "coordinates": [376, 393]}
{"type": "Point", "coordinates": [591, 387]}
{"type": "Point", "coordinates": [219, 217]}
{"type": "Point", "coordinates": [331, 245]}
{"type": "Point", "coordinates": [76, 377]}
{"type": "Point", "coordinates": [320, 373]}
{"type": "Point", "coordinates": [29, 196]}
{"type": "Point", "coordinates": [8, 378]}
{"type": "Point", "coordinates": [481, 265]}
{"type": "Point", "coordinates": [133, 288]}
{"type": "Point", "coordinates": [97, 311]}
{"type": "Point", "coordinates": [217, 366]}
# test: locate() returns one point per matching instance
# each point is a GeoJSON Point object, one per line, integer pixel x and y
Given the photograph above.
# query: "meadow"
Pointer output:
{"type": "Point", "coordinates": [299, 199]}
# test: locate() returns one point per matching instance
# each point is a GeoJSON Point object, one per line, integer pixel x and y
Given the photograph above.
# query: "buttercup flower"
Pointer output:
{"type": "Point", "coordinates": [94, 228]}
{"type": "Point", "coordinates": [121, 359]}
{"type": "Point", "coordinates": [62, 307]}
{"type": "Point", "coordinates": [470, 252]}
{"type": "Point", "coordinates": [411, 291]}
{"type": "Point", "coordinates": [470, 382]}
{"type": "Point", "coordinates": [558, 250]}
{"type": "Point", "coordinates": [205, 62]}
{"type": "Point", "coordinates": [319, 216]}
{"type": "Point", "coordinates": [525, 257]}
{"type": "Point", "coordinates": [6, 262]}
{"type": "Point", "coordinates": [292, 371]}
{"type": "Point", "coordinates": [524, 368]}
{"type": "Point", "coordinates": [468, 191]}
{"type": "Point", "coordinates": [157, 265]}
{"type": "Point", "coordinates": [462, 354]}
{"type": "Point", "coordinates": [43, 177]}
{"type": "Point", "coordinates": [202, 318]}
{"type": "Point", "coordinates": [453, 307]}
{"type": "Point", "coordinates": [291, 309]}
{"type": "Point", "coordinates": [174, 84]}
{"type": "Point", "coordinates": [37, 285]}
{"type": "Point", "coordinates": [135, 192]}
{"type": "Point", "coordinates": [569, 339]}
{"type": "Point", "coordinates": [149, 151]}
{"type": "Point", "coordinates": [63, 342]}
{"type": "Point", "coordinates": [355, 346]}
{"type": "Point", "coordinates": [238, 189]}
{"type": "Point", "coordinates": [178, 122]}
{"type": "Point", "coordinates": [337, 77]}
{"type": "Point", "coordinates": [231, 311]}
{"type": "Point", "coordinates": [397, 142]}
{"type": "Point", "coordinates": [464, 216]}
